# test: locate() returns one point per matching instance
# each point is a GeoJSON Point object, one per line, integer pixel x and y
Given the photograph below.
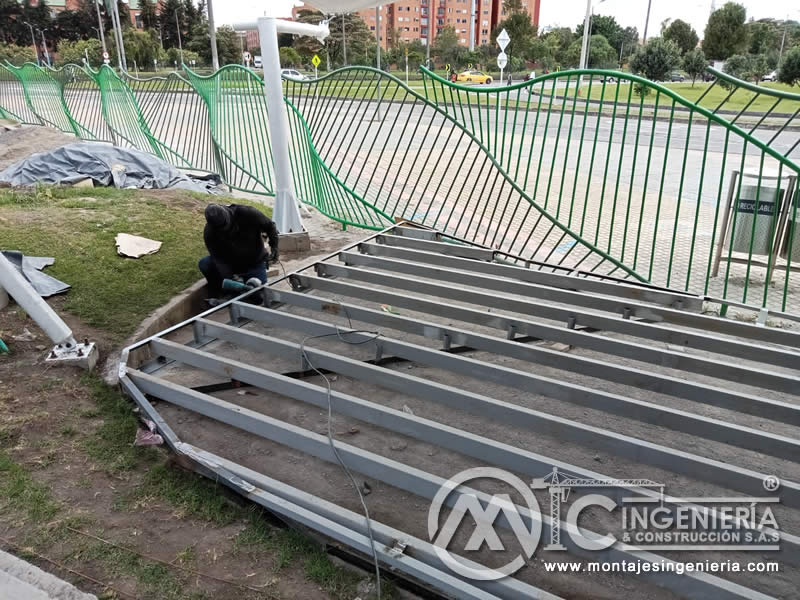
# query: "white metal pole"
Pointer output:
{"type": "Point", "coordinates": [33, 41]}
{"type": "Point", "coordinates": [123, 63]}
{"type": "Point", "coordinates": [178, 28]}
{"type": "Point", "coordinates": [406, 66]}
{"type": "Point", "coordinates": [646, 22]}
{"type": "Point", "coordinates": [212, 32]}
{"type": "Point", "coordinates": [344, 41]}
{"type": "Point", "coordinates": [285, 214]}
{"type": "Point", "coordinates": [44, 43]}
{"type": "Point", "coordinates": [472, 26]}
{"type": "Point", "coordinates": [100, 25]}
{"type": "Point", "coordinates": [584, 43]}
{"type": "Point", "coordinates": [31, 302]}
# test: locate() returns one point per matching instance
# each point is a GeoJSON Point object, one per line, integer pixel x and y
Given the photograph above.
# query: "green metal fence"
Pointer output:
{"type": "Point", "coordinates": [617, 176]}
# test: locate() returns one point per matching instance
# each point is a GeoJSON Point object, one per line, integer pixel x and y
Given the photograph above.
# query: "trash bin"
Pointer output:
{"type": "Point", "coordinates": [768, 195]}
{"type": "Point", "coordinates": [793, 232]}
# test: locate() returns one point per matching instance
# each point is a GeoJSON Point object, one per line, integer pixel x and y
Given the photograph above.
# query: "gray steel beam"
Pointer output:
{"type": "Point", "coordinates": [466, 443]}
{"type": "Point", "coordinates": [594, 302]}
{"type": "Point", "coordinates": [649, 353]}
{"type": "Point", "coordinates": [424, 484]}
{"type": "Point", "coordinates": [597, 320]}
{"type": "Point", "coordinates": [784, 412]}
{"type": "Point", "coordinates": [417, 233]}
{"type": "Point", "coordinates": [507, 588]}
{"type": "Point", "coordinates": [392, 246]}
{"type": "Point", "coordinates": [647, 412]}
{"type": "Point", "coordinates": [729, 476]}
{"type": "Point", "coordinates": [441, 248]}
{"type": "Point", "coordinates": [311, 517]}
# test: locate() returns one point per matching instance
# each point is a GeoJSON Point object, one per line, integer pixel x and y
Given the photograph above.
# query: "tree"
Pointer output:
{"type": "Point", "coordinates": [725, 33]}
{"type": "Point", "coordinates": [790, 67]}
{"type": "Point", "coordinates": [149, 14]}
{"type": "Point", "coordinates": [558, 42]}
{"type": "Point", "coordinates": [10, 13]}
{"type": "Point", "coordinates": [74, 52]}
{"type": "Point", "coordinates": [747, 66]}
{"type": "Point", "coordinates": [521, 31]}
{"type": "Point", "coordinates": [512, 7]}
{"type": "Point", "coordinates": [656, 59]}
{"type": "Point", "coordinates": [360, 41]}
{"type": "Point", "coordinates": [167, 20]}
{"type": "Point", "coordinates": [601, 54]}
{"type": "Point", "coordinates": [682, 34]}
{"type": "Point", "coordinates": [228, 49]}
{"type": "Point", "coordinates": [73, 25]}
{"type": "Point", "coordinates": [142, 47]}
{"type": "Point", "coordinates": [16, 55]}
{"type": "Point", "coordinates": [694, 63]}
{"type": "Point", "coordinates": [290, 58]}
{"type": "Point", "coordinates": [446, 47]}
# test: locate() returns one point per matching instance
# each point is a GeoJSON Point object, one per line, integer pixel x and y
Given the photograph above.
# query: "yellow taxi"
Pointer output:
{"type": "Point", "coordinates": [471, 76]}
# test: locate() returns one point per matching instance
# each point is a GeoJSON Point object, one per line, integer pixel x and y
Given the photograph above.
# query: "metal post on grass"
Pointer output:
{"type": "Point", "coordinates": [100, 26]}
{"type": "Point", "coordinates": [286, 213]}
{"type": "Point", "coordinates": [33, 41]}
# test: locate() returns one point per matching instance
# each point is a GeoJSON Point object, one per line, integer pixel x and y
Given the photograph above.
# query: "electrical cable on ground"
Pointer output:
{"type": "Point", "coordinates": [304, 355]}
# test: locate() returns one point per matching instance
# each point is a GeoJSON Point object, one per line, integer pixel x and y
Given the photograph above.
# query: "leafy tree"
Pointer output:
{"type": "Point", "coordinates": [512, 6]}
{"type": "Point", "coordinates": [149, 14]}
{"type": "Point", "coordinates": [290, 57]}
{"type": "Point", "coordinates": [142, 47]}
{"type": "Point", "coordinates": [558, 41]}
{"type": "Point", "coordinates": [173, 55]}
{"type": "Point", "coordinates": [73, 52]}
{"type": "Point", "coordinates": [169, 24]}
{"type": "Point", "coordinates": [446, 47]}
{"type": "Point", "coordinates": [73, 25]}
{"type": "Point", "coordinates": [601, 54]}
{"type": "Point", "coordinates": [725, 33]}
{"type": "Point", "coordinates": [747, 66]}
{"type": "Point", "coordinates": [10, 13]}
{"type": "Point", "coordinates": [521, 31]}
{"type": "Point", "coordinates": [790, 67]}
{"type": "Point", "coordinates": [16, 55]}
{"type": "Point", "coordinates": [694, 63]}
{"type": "Point", "coordinates": [606, 26]}
{"type": "Point", "coordinates": [656, 59]}
{"type": "Point", "coordinates": [360, 40]}
{"type": "Point", "coordinates": [228, 51]}
{"type": "Point", "coordinates": [682, 34]}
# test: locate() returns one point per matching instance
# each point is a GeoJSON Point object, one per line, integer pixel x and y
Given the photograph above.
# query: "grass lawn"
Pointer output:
{"type": "Point", "coordinates": [76, 497]}
{"type": "Point", "coordinates": [737, 101]}
{"type": "Point", "coordinates": [77, 227]}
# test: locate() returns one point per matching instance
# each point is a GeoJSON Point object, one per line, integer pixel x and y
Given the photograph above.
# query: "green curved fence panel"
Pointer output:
{"type": "Point", "coordinates": [411, 160]}
{"type": "Point", "coordinates": [617, 176]}
{"type": "Point", "coordinates": [13, 100]}
{"type": "Point", "coordinates": [81, 96]}
{"type": "Point", "coordinates": [237, 113]}
{"type": "Point", "coordinates": [638, 171]}
{"type": "Point", "coordinates": [176, 118]}
{"type": "Point", "coordinates": [121, 112]}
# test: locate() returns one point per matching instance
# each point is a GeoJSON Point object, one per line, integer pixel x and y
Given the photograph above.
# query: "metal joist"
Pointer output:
{"type": "Point", "coordinates": [731, 476]}
{"type": "Point", "coordinates": [421, 483]}
{"type": "Point", "coordinates": [590, 318]}
{"type": "Point", "coordinates": [679, 387]}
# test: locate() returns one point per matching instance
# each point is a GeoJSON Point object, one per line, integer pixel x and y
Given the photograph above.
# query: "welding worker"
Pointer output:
{"type": "Point", "coordinates": [234, 235]}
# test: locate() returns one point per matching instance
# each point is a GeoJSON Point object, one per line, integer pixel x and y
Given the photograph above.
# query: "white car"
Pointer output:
{"type": "Point", "coordinates": [292, 74]}
{"type": "Point", "coordinates": [770, 76]}
{"type": "Point", "coordinates": [257, 62]}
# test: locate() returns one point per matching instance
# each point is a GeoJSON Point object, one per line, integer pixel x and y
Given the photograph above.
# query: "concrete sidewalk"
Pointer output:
{"type": "Point", "coordinates": [20, 580]}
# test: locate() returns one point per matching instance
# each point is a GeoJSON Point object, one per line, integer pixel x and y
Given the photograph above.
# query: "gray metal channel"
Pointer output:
{"type": "Point", "coordinates": [463, 311]}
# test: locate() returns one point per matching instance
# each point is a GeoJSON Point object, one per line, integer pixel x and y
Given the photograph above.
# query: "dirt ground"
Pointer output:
{"type": "Point", "coordinates": [79, 500]}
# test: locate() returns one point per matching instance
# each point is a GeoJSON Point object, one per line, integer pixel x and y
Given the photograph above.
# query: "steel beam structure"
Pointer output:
{"type": "Point", "coordinates": [500, 307]}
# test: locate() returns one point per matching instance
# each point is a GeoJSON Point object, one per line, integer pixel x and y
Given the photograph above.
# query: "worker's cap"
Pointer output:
{"type": "Point", "coordinates": [218, 216]}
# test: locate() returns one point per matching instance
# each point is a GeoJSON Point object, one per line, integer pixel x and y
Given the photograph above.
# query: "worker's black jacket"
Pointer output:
{"type": "Point", "coordinates": [233, 238]}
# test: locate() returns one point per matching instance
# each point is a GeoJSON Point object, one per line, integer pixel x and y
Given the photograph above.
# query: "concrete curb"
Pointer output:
{"type": "Point", "coordinates": [22, 580]}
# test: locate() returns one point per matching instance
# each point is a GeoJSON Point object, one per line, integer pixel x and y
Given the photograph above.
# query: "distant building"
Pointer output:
{"type": "Point", "coordinates": [56, 6]}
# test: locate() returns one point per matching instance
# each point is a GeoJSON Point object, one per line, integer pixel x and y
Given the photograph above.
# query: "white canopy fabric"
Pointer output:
{"type": "Point", "coordinates": [345, 6]}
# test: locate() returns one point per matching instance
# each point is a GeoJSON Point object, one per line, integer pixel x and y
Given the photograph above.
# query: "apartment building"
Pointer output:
{"type": "Point", "coordinates": [412, 20]}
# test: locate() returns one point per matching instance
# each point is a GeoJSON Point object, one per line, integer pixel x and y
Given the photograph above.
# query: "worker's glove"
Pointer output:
{"type": "Point", "coordinates": [273, 255]}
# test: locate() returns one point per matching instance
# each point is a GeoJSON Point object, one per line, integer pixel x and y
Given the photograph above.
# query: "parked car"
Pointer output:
{"type": "Point", "coordinates": [471, 76]}
{"type": "Point", "coordinates": [770, 76]}
{"type": "Point", "coordinates": [676, 76]}
{"type": "Point", "coordinates": [257, 62]}
{"type": "Point", "coordinates": [292, 74]}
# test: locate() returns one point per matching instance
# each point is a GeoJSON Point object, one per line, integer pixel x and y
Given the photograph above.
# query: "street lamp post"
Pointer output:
{"type": "Point", "coordinates": [100, 26]}
{"type": "Point", "coordinates": [44, 45]}
{"type": "Point", "coordinates": [212, 34]}
{"type": "Point", "coordinates": [178, 28]}
{"type": "Point", "coordinates": [646, 22]}
{"type": "Point", "coordinates": [33, 41]}
{"type": "Point", "coordinates": [344, 41]}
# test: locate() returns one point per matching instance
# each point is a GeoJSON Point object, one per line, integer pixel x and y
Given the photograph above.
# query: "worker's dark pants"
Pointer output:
{"type": "Point", "coordinates": [214, 277]}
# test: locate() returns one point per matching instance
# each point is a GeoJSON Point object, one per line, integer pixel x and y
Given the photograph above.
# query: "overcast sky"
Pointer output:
{"type": "Point", "coordinates": [560, 12]}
